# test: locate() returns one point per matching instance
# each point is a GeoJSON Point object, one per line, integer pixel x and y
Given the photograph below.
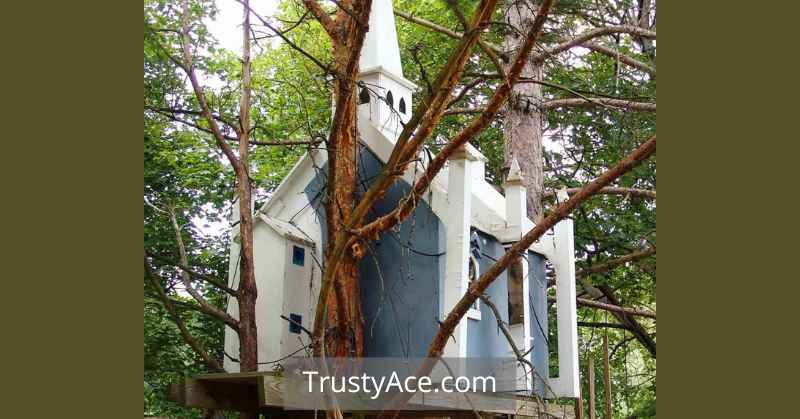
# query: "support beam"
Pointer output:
{"type": "Point", "coordinates": [606, 376]}
{"type": "Point", "coordinates": [457, 226]}
{"type": "Point", "coordinates": [517, 224]}
{"type": "Point", "coordinates": [568, 382]}
{"type": "Point", "coordinates": [592, 413]}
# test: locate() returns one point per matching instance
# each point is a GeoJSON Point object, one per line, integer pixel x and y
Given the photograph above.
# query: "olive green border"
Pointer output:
{"type": "Point", "coordinates": [727, 163]}
{"type": "Point", "coordinates": [72, 159]}
{"type": "Point", "coordinates": [72, 204]}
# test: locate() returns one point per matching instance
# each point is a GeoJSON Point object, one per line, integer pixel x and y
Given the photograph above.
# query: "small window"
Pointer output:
{"type": "Point", "coordinates": [298, 255]}
{"type": "Point", "coordinates": [390, 99]}
{"type": "Point", "coordinates": [474, 273]}
{"type": "Point", "coordinates": [402, 106]}
{"type": "Point", "coordinates": [363, 96]}
{"type": "Point", "coordinates": [295, 323]}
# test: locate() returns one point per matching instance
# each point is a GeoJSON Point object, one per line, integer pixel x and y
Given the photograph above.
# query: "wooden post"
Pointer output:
{"type": "Point", "coordinates": [607, 376]}
{"type": "Point", "coordinates": [579, 402]}
{"type": "Point", "coordinates": [592, 414]}
{"type": "Point", "coordinates": [457, 229]}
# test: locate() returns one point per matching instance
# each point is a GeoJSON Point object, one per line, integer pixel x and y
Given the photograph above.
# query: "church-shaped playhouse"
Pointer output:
{"type": "Point", "coordinates": [412, 276]}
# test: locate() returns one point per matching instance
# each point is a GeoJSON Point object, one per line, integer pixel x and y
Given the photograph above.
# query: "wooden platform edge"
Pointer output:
{"type": "Point", "coordinates": [262, 392]}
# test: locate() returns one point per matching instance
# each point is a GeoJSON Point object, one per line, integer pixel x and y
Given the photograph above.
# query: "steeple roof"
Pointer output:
{"type": "Point", "coordinates": [381, 48]}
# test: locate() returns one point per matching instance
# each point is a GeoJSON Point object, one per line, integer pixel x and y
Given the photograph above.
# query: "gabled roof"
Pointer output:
{"type": "Point", "coordinates": [286, 230]}
{"type": "Point", "coordinates": [488, 205]}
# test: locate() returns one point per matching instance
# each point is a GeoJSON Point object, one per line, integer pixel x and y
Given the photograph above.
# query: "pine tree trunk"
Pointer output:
{"type": "Point", "coordinates": [522, 127]}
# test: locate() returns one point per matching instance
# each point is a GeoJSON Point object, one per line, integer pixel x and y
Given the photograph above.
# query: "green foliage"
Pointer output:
{"type": "Point", "coordinates": [184, 168]}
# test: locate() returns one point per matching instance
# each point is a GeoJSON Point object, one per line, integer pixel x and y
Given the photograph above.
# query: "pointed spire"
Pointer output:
{"type": "Point", "coordinates": [380, 46]}
{"type": "Point", "coordinates": [514, 174]}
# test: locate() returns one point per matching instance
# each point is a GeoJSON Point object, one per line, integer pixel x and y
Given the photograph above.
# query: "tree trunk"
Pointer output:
{"type": "Point", "coordinates": [246, 298]}
{"type": "Point", "coordinates": [345, 327]}
{"type": "Point", "coordinates": [522, 127]}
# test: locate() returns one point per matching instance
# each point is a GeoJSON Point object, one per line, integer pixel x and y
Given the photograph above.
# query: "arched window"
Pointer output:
{"type": "Point", "coordinates": [402, 105]}
{"type": "Point", "coordinates": [474, 274]}
{"type": "Point", "coordinates": [363, 96]}
{"type": "Point", "coordinates": [390, 99]}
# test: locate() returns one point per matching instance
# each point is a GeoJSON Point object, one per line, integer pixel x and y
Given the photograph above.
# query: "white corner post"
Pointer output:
{"type": "Point", "coordinates": [517, 225]}
{"type": "Point", "coordinates": [457, 229]}
{"type": "Point", "coordinates": [567, 384]}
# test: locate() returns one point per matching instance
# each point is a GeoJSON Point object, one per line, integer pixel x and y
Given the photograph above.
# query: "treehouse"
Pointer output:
{"type": "Point", "coordinates": [413, 275]}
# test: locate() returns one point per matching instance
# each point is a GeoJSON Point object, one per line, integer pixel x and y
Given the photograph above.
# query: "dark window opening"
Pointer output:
{"type": "Point", "coordinates": [295, 323]}
{"type": "Point", "coordinates": [298, 256]}
{"type": "Point", "coordinates": [515, 301]}
{"type": "Point", "coordinates": [402, 105]}
{"type": "Point", "coordinates": [474, 273]}
{"type": "Point", "coordinates": [363, 96]}
{"type": "Point", "coordinates": [390, 99]}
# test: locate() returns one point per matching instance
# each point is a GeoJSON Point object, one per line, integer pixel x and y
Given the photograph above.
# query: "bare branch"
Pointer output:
{"type": "Point", "coordinates": [207, 278]}
{"type": "Point", "coordinates": [188, 67]}
{"type": "Point", "coordinates": [627, 319]}
{"type": "Point", "coordinates": [207, 307]}
{"type": "Point", "coordinates": [622, 57]}
{"type": "Point", "coordinates": [591, 34]}
{"type": "Point", "coordinates": [613, 103]}
{"type": "Point", "coordinates": [464, 111]}
{"type": "Point", "coordinates": [601, 325]}
{"type": "Point", "coordinates": [612, 308]}
{"type": "Point", "coordinates": [324, 67]}
{"type": "Point", "coordinates": [187, 337]}
{"type": "Point", "coordinates": [173, 111]}
{"type": "Point", "coordinates": [430, 25]}
{"type": "Point", "coordinates": [322, 17]}
{"type": "Point", "coordinates": [606, 266]}
{"type": "Point", "coordinates": [610, 190]}
{"type": "Point", "coordinates": [573, 103]}
{"type": "Point", "coordinates": [510, 338]}
{"type": "Point", "coordinates": [286, 143]}
{"type": "Point", "coordinates": [585, 43]}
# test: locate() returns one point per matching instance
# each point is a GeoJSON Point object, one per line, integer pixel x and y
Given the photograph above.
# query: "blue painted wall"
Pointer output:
{"type": "Point", "coordinates": [483, 336]}
{"type": "Point", "coordinates": [537, 286]}
{"type": "Point", "coordinates": [401, 305]}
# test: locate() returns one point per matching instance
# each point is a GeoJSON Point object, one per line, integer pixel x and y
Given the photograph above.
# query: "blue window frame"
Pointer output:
{"type": "Point", "coordinates": [295, 323]}
{"type": "Point", "coordinates": [298, 255]}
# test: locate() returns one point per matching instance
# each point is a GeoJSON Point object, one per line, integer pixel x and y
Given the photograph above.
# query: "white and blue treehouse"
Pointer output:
{"type": "Point", "coordinates": [421, 270]}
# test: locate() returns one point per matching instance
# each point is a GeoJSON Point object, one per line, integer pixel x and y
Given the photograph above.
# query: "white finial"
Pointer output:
{"type": "Point", "coordinates": [514, 173]}
{"type": "Point", "coordinates": [562, 195]}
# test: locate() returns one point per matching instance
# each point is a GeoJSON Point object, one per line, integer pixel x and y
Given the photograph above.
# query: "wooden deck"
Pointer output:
{"type": "Point", "coordinates": [261, 392]}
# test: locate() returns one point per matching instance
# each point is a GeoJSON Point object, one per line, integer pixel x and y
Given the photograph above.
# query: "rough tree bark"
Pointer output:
{"type": "Point", "coordinates": [339, 310]}
{"type": "Point", "coordinates": [522, 126]}
{"type": "Point", "coordinates": [345, 325]}
{"type": "Point", "coordinates": [247, 295]}
{"type": "Point", "coordinates": [246, 292]}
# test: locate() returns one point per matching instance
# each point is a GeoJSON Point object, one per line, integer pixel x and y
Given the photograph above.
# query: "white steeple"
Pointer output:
{"type": "Point", "coordinates": [388, 104]}
{"type": "Point", "coordinates": [380, 46]}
